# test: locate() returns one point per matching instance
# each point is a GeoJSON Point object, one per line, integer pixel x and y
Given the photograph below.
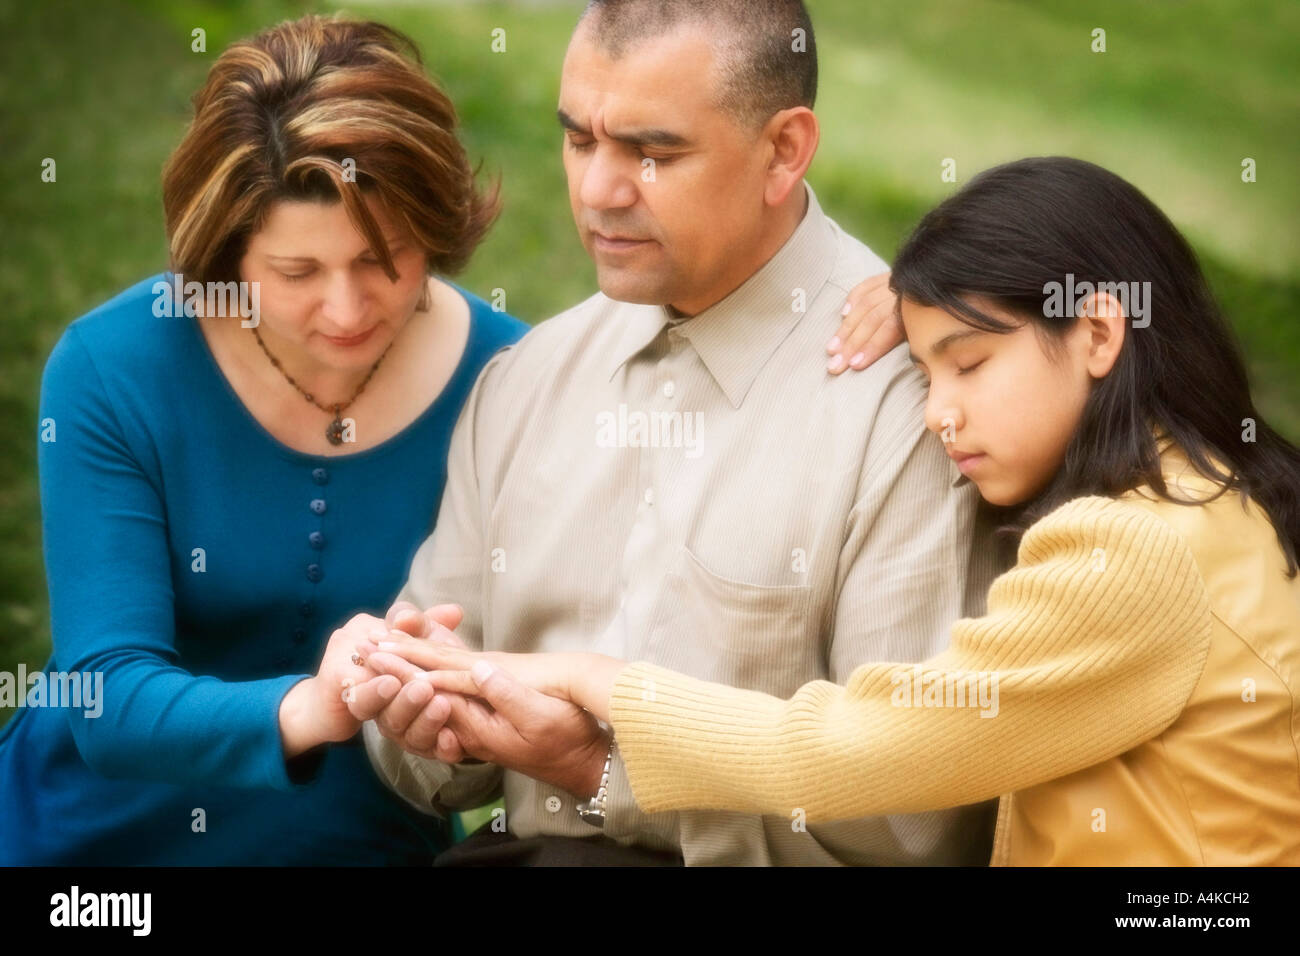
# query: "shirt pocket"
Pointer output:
{"type": "Point", "coordinates": [755, 636]}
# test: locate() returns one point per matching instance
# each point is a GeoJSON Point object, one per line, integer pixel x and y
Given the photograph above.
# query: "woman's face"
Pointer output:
{"type": "Point", "coordinates": [323, 292]}
{"type": "Point", "coordinates": [1004, 407]}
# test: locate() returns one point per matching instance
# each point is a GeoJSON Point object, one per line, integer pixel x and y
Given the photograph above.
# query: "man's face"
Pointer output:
{"type": "Point", "coordinates": [673, 230]}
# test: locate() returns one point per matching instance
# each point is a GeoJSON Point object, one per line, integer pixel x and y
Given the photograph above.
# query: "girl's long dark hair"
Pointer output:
{"type": "Point", "coordinates": [1018, 227]}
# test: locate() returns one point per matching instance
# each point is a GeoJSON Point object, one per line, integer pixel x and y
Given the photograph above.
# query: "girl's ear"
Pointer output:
{"type": "Point", "coordinates": [1106, 323]}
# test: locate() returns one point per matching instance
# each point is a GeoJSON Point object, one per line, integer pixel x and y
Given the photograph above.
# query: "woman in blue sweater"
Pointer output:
{"type": "Point", "coordinates": [232, 469]}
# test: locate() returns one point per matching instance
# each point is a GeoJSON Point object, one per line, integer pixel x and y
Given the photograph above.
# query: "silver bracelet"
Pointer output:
{"type": "Point", "coordinates": [593, 811]}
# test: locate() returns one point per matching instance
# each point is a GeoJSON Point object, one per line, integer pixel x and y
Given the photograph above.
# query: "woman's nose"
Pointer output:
{"type": "Point", "coordinates": [344, 305]}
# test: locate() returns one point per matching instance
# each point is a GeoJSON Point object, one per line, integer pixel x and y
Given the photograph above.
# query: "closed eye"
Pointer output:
{"type": "Point", "coordinates": [970, 368]}
{"type": "Point", "coordinates": [588, 145]}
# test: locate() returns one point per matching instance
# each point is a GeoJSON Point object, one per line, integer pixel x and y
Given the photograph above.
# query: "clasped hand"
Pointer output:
{"type": "Point", "coordinates": [434, 698]}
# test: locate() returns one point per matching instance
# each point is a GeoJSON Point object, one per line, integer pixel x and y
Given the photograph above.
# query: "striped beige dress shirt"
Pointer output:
{"type": "Point", "coordinates": [702, 495]}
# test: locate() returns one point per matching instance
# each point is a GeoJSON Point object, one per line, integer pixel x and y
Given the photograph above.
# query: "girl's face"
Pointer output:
{"type": "Point", "coordinates": [1003, 405]}
{"type": "Point", "coordinates": [322, 291]}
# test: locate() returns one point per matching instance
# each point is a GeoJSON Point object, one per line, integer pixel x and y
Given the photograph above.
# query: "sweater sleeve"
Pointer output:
{"type": "Point", "coordinates": [109, 570]}
{"type": "Point", "coordinates": [1090, 645]}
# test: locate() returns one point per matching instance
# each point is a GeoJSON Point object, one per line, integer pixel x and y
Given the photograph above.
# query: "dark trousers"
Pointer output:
{"type": "Point", "coordinates": [485, 847]}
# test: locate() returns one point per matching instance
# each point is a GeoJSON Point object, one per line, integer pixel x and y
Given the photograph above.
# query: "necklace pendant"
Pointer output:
{"type": "Point", "coordinates": [335, 432]}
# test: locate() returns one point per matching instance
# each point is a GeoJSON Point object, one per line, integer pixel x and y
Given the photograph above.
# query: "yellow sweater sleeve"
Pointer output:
{"type": "Point", "coordinates": [1091, 644]}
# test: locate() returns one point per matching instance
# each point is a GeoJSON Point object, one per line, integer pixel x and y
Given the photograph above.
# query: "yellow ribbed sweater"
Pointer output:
{"type": "Point", "coordinates": [1093, 642]}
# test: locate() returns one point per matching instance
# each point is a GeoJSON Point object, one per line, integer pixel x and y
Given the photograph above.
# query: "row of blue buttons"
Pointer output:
{"type": "Point", "coordinates": [315, 572]}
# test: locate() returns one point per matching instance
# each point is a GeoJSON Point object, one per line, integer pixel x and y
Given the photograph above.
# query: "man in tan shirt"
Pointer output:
{"type": "Point", "coordinates": [666, 471]}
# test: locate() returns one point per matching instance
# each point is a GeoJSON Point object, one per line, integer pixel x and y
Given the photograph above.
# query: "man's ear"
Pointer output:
{"type": "Point", "coordinates": [1106, 323]}
{"type": "Point", "coordinates": [793, 135]}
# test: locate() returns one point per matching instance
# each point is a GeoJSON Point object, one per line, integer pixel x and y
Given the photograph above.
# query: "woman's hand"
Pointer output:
{"type": "Point", "coordinates": [870, 327]}
{"type": "Point", "coordinates": [315, 710]}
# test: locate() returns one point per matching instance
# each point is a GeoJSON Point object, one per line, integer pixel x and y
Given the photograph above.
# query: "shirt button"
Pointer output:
{"type": "Point", "coordinates": [318, 506]}
{"type": "Point", "coordinates": [553, 803]}
{"type": "Point", "coordinates": [299, 636]}
{"type": "Point", "coordinates": [649, 496]}
{"type": "Point", "coordinates": [669, 388]}
{"type": "Point", "coordinates": [320, 476]}
{"type": "Point", "coordinates": [315, 573]}
{"type": "Point", "coordinates": [316, 540]}
{"type": "Point", "coordinates": [306, 609]}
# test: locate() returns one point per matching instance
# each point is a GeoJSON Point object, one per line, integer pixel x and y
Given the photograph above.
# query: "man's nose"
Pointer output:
{"type": "Point", "coordinates": [606, 183]}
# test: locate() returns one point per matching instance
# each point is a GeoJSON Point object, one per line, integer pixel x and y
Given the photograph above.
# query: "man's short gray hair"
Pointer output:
{"type": "Point", "coordinates": [767, 55]}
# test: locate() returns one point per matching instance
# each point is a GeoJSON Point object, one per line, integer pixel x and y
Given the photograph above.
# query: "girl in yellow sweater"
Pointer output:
{"type": "Point", "coordinates": [1131, 692]}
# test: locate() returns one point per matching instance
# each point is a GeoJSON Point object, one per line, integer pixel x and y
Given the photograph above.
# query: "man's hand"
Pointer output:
{"type": "Point", "coordinates": [436, 623]}
{"type": "Point", "coordinates": [515, 726]}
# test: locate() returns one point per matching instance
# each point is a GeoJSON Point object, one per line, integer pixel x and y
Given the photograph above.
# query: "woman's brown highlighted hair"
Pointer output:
{"type": "Point", "coordinates": [321, 109]}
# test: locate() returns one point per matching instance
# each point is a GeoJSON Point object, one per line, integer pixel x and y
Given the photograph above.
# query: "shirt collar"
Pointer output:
{"type": "Point", "coordinates": [736, 336]}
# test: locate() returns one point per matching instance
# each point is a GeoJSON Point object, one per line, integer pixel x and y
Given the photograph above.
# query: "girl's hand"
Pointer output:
{"type": "Point", "coordinates": [447, 667]}
{"type": "Point", "coordinates": [585, 679]}
{"type": "Point", "coordinates": [870, 327]}
{"type": "Point", "coordinates": [315, 711]}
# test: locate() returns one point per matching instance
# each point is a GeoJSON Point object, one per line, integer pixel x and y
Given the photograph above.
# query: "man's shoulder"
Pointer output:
{"type": "Point", "coordinates": [851, 262]}
{"type": "Point", "coordinates": [854, 259]}
{"type": "Point", "coordinates": [557, 340]}
{"type": "Point", "coordinates": [574, 324]}
{"type": "Point", "coordinates": [892, 374]}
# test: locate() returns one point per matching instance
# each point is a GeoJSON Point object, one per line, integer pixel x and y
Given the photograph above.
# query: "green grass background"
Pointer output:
{"type": "Point", "coordinates": [1185, 90]}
